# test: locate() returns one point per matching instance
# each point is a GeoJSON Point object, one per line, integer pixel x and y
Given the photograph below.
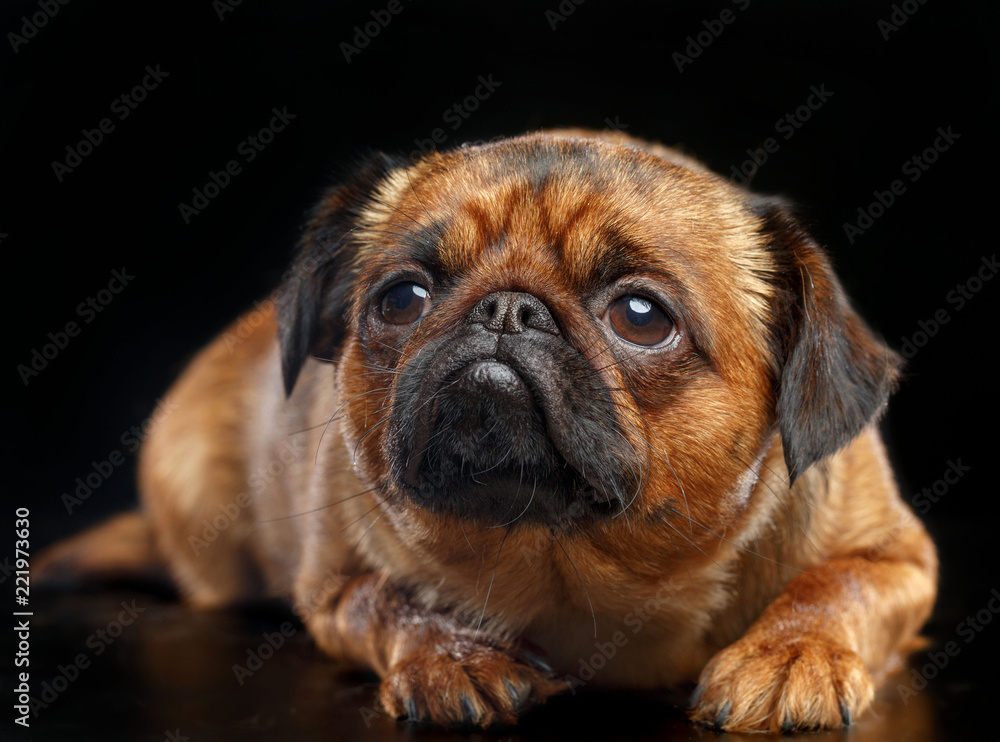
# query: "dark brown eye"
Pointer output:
{"type": "Point", "coordinates": [404, 303]}
{"type": "Point", "coordinates": [639, 321]}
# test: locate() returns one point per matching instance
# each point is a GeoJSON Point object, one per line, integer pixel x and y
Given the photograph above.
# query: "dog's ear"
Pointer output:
{"type": "Point", "coordinates": [312, 302]}
{"type": "Point", "coordinates": [834, 376]}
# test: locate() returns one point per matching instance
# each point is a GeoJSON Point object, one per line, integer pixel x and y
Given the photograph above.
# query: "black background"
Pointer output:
{"type": "Point", "coordinates": [603, 64]}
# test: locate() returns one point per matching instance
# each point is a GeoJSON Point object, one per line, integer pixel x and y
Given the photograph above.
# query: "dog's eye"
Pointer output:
{"type": "Point", "coordinates": [639, 321]}
{"type": "Point", "coordinates": [404, 303]}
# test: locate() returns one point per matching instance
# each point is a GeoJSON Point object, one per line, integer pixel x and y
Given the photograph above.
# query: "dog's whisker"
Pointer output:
{"type": "Point", "coordinates": [662, 454]}
{"type": "Point", "coordinates": [720, 537]}
{"type": "Point", "coordinates": [492, 578]}
{"type": "Point", "coordinates": [392, 348]}
{"type": "Point", "coordinates": [619, 361]}
{"type": "Point", "coordinates": [691, 541]}
{"type": "Point", "coordinates": [317, 426]}
{"type": "Point", "coordinates": [661, 451]}
{"type": "Point", "coordinates": [498, 464]}
{"type": "Point", "coordinates": [368, 432]}
{"type": "Point", "coordinates": [367, 365]}
{"type": "Point", "coordinates": [791, 514]}
{"type": "Point", "coordinates": [638, 489]}
{"type": "Point", "coordinates": [378, 504]}
{"type": "Point", "coordinates": [462, 526]}
{"type": "Point", "coordinates": [383, 202]}
{"type": "Point", "coordinates": [372, 524]}
{"type": "Point", "coordinates": [586, 592]}
{"type": "Point", "coordinates": [320, 508]}
{"type": "Point", "coordinates": [525, 510]}
{"type": "Point", "coordinates": [409, 182]}
{"type": "Point", "coordinates": [687, 506]}
{"type": "Point", "coordinates": [333, 417]}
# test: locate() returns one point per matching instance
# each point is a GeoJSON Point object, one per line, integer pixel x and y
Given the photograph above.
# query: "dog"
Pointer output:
{"type": "Point", "coordinates": [519, 402]}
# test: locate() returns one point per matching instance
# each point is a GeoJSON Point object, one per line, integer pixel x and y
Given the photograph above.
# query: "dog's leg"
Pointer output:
{"type": "Point", "coordinates": [806, 662]}
{"type": "Point", "coordinates": [433, 667]}
{"type": "Point", "coordinates": [120, 549]}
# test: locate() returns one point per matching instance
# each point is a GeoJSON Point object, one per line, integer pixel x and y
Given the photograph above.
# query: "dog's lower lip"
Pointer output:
{"type": "Point", "coordinates": [492, 370]}
{"type": "Point", "coordinates": [494, 379]}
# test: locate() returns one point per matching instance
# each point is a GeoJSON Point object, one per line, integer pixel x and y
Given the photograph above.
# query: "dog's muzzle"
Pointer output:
{"type": "Point", "coordinates": [504, 416]}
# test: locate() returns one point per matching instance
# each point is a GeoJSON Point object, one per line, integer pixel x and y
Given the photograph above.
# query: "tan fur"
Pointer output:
{"type": "Point", "coordinates": [786, 602]}
{"type": "Point", "coordinates": [123, 548]}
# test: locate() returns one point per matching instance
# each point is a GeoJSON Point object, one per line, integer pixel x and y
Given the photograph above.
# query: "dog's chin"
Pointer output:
{"type": "Point", "coordinates": [508, 498]}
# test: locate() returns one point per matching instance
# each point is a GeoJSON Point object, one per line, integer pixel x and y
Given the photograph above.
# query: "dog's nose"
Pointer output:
{"type": "Point", "coordinates": [513, 312]}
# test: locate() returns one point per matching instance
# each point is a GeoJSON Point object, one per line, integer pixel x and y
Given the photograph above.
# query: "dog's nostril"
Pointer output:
{"type": "Point", "coordinates": [513, 312]}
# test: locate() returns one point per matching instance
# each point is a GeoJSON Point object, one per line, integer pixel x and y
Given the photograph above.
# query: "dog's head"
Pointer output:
{"type": "Point", "coordinates": [558, 330]}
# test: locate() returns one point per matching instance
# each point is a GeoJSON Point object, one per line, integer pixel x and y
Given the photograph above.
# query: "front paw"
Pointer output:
{"type": "Point", "coordinates": [782, 684]}
{"type": "Point", "coordinates": [464, 682]}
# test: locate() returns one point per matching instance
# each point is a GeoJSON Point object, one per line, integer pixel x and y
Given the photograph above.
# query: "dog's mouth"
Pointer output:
{"type": "Point", "coordinates": [516, 432]}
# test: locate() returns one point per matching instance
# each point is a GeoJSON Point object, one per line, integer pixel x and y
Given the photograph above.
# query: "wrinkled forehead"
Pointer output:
{"type": "Point", "coordinates": [587, 210]}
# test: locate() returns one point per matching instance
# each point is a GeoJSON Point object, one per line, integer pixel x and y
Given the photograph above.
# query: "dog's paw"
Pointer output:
{"type": "Point", "coordinates": [787, 684]}
{"type": "Point", "coordinates": [466, 683]}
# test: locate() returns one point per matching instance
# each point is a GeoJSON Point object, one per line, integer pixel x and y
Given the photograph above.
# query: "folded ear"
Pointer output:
{"type": "Point", "coordinates": [834, 375]}
{"type": "Point", "coordinates": [312, 302]}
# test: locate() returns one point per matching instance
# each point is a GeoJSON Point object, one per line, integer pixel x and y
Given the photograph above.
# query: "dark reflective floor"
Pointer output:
{"type": "Point", "coordinates": [130, 666]}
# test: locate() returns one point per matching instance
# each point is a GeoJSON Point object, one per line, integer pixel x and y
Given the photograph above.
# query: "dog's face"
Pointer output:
{"type": "Point", "coordinates": [575, 334]}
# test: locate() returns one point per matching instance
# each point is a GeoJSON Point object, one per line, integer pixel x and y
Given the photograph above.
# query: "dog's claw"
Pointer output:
{"type": "Point", "coordinates": [696, 696]}
{"type": "Point", "coordinates": [788, 725]}
{"type": "Point", "coordinates": [723, 716]}
{"type": "Point", "coordinates": [535, 661]}
{"type": "Point", "coordinates": [516, 698]}
{"type": "Point", "coordinates": [411, 709]}
{"type": "Point", "coordinates": [845, 714]}
{"type": "Point", "coordinates": [468, 710]}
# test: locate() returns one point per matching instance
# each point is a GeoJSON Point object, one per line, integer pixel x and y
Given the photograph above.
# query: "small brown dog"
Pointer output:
{"type": "Point", "coordinates": [560, 409]}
